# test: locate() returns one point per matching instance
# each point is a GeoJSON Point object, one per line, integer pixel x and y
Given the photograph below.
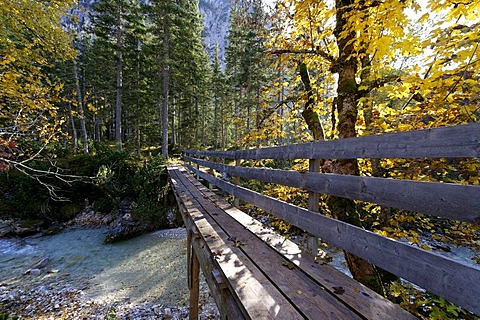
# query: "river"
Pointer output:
{"type": "Point", "coordinates": [149, 269]}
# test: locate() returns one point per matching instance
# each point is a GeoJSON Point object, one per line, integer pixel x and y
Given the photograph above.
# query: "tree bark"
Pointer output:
{"type": "Point", "coordinates": [310, 116]}
{"type": "Point", "coordinates": [119, 76]}
{"type": "Point", "coordinates": [74, 129]}
{"type": "Point", "coordinates": [347, 100]}
{"type": "Point", "coordinates": [83, 126]}
{"type": "Point", "coordinates": [173, 134]}
{"type": "Point", "coordinates": [166, 80]}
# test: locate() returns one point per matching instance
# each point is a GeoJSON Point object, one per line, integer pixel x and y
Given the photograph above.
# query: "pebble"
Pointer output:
{"type": "Point", "coordinates": [59, 299]}
{"type": "Point", "coordinates": [35, 272]}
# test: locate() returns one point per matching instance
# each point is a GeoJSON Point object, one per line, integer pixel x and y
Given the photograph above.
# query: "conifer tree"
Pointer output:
{"type": "Point", "coordinates": [184, 68]}
{"type": "Point", "coordinates": [247, 66]}
{"type": "Point", "coordinates": [109, 25]}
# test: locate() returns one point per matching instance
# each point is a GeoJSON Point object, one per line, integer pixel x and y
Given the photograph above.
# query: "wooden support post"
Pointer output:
{"type": "Point", "coordinates": [189, 259]}
{"type": "Point", "coordinates": [193, 269]}
{"type": "Point", "coordinates": [211, 172]}
{"type": "Point", "coordinates": [313, 200]}
{"type": "Point", "coordinates": [198, 169]}
{"type": "Point", "coordinates": [195, 289]}
{"type": "Point", "coordinates": [236, 201]}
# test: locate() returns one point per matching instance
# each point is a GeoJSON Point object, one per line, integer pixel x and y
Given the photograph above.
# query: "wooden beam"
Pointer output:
{"type": "Point", "coordinates": [195, 287]}
{"type": "Point", "coordinates": [246, 281]}
{"type": "Point", "coordinates": [447, 142]}
{"type": "Point", "coordinates": [447, 278]}
{"type": "Point", "coordinates": [311, 299]}
{"type": "Point", "coordinates": [364, 300]}
{"type": "Point", "coordinates": [226, 303]}
{"type": "Point", "coordinates": [313, 205]}
{"type": "Point", "coordinates": [448, 200]}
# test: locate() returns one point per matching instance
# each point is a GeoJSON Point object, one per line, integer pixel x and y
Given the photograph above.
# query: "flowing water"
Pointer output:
{"type": "Point", "coordinates": [149, 268]}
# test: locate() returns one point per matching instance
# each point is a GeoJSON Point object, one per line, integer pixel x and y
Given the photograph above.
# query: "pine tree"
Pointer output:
{"type": "Point", "coordinates": [184, 68]}
{"type": "Point", "coordinates": [247, 67]}
{"type": "Point", "coordinates": [109, 25]}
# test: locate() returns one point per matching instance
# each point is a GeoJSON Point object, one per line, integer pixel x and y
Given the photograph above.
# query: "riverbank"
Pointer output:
{"type": "Point", "coordinates": [83, 278]}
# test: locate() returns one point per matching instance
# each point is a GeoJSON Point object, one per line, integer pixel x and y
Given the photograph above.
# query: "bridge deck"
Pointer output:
{"type": "Point", "coordinates": [254, 273]}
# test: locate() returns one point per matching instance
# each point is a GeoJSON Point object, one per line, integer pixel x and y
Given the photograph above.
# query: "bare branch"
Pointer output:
{"type": "Point", "coordinates": [315, 51]}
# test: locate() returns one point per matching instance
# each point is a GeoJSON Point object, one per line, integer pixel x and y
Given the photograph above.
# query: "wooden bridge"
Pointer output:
{"type": "Point", "coordinates": [254, 273]}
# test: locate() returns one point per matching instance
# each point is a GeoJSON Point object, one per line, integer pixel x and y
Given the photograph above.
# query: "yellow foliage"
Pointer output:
{"type": "Point", "coordinates": [31, 41]}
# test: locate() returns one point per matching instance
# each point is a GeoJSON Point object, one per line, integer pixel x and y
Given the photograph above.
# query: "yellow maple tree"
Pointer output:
{"type": "Point", "coordinates": [31, 41]}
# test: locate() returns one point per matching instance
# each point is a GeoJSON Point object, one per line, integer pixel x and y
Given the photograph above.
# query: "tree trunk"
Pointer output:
{"type": "Point", "coordinates": [310, 116]}
{"type": "Point", "coordinates": [173, 139]}
{"type": "Point", "coordinates": [215, 119]}
{"type": "Point", "coordinates": [347, 101]}
{"type": "Point", "coordinates": [119, 75]}
{"type": "Point", "coordinates": [72, 124]}
{"type": "Point", "coordinates": [83, 126]}
{"type": "Point", "coordinates": [197, 115]}
{"type": "Point", "coordinates": [166, 80]}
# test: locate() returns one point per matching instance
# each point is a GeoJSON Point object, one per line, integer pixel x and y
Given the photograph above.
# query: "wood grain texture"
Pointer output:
{"type": "Point", "coordinates": [446, 142]}
{"type": "Point", "coordinates": [311, 298]}
{"type": "Point", "coordinates": [246, 281]}
{"type": "Point", "coordinates": [226, 303]}
{"type": "Point", "coordinates": [365, 301]}
{"type": "Point", "coordinates": [448, 200]}
{"type": "Point", "coordinates": [452, 280]}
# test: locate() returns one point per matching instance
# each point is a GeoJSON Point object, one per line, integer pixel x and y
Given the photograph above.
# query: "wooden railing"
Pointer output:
{"type": "Point", "coordinates": [455, 281]}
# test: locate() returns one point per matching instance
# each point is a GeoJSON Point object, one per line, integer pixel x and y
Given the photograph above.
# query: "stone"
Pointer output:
{"type": "Point", "coordinates": [35, 272]}
{"type": "Point", "coordinates": [27, 227]}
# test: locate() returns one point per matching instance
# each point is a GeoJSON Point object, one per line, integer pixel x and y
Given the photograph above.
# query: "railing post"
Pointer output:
{"type": "Point", "coordinates": [193, 277]}
{"type": "Point", "coordinates": [236, 180]}
{"type": "Point", "coordinates": [313, 200]}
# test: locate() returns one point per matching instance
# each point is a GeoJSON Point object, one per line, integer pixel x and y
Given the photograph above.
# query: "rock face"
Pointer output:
{"type": "Point", "coordinates": [216, 14]}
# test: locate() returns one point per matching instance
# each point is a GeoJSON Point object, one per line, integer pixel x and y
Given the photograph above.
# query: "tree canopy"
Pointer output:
{"type": "Point", "coordinates": [32, 42]}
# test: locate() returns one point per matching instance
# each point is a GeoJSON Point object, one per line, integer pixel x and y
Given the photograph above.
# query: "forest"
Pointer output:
{"type": "Point", "coordinates": [96, 98]}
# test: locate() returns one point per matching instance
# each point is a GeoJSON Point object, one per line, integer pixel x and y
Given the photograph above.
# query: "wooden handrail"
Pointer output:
{"type": "Point", "coordinates": [455, 281]}
{"type": "Point", "coordinates": [448, 200]}
{"type": "Point", "coordinates": [452, 280]}
{"type": "Point", "coordinates": [445, 142]}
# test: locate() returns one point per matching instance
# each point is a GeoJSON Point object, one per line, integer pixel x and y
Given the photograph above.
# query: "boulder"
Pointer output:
{"type": "Point", "coordinates": [27, 228]}
{"type": "Point", "coordinates": [6, 228]}
{"type": "Point", "coordinates": [125, 226]}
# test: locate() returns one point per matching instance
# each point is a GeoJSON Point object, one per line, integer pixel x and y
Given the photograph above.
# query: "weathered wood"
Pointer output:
{"type": "Point", "coordinates": [362, 299]}
{"type": "Point", "coordinates": [313, 205]}
{"type": "Point", "coordinates": [246, 281]}
{"type": "Point", "coordinates": [311, 298]}
{"type": "Point", "coordinates": [195, 288]}
{"type": "Point", "coordinates": [224, 299]}
{"type": "Point", "coordinates": [452, 280]}
{"type": "Point", "coordinates": [220, 281]}
{"type": "Point", "coordinates": [236, 201]}
{"type": "Point", "coordinates": [453, 201]}
{"type": "Point", "coordinates": [445, 142]}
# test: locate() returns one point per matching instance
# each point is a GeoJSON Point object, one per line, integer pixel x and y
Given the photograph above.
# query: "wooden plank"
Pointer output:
{"type": "Point", "coordinates": [245, 280]}
{"type": "Point", "coordinates": [446, 142]}
{"type": "Point", "coordinates": [310, 297]}
{"type": "Point", "coordinates": [448, 200]}
{"type": "Point", "coordinates": [452, 280]}
{"type": "Point", "coordinates": [226, 303]}
{"type": "Point", "coordinates": [365, 301]}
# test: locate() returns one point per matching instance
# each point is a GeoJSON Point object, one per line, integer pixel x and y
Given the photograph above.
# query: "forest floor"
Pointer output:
{"type": "Point", "coordinates": [80, 277]}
